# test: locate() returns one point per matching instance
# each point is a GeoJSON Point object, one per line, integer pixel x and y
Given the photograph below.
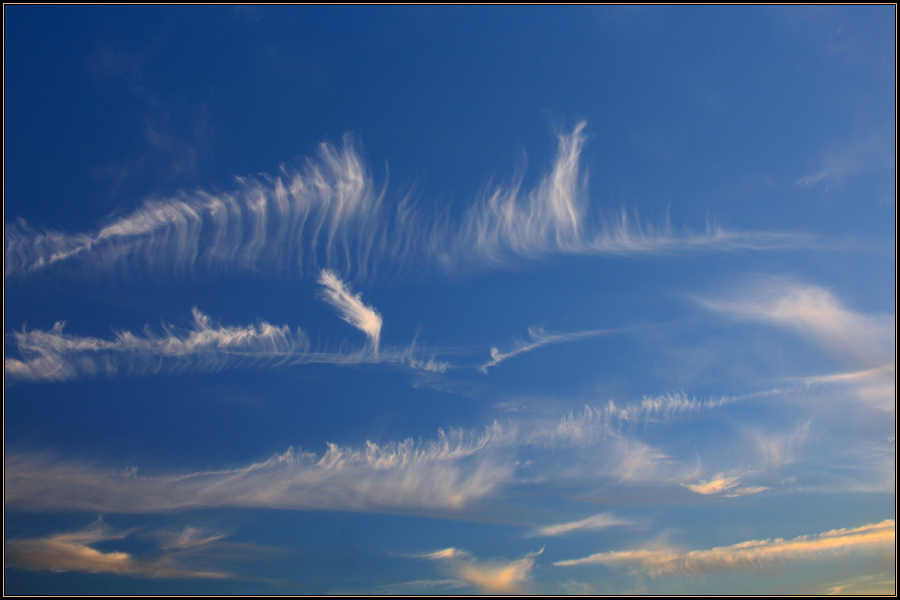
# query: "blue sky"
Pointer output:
{"type": "Point", "coordinates": [449, 300]}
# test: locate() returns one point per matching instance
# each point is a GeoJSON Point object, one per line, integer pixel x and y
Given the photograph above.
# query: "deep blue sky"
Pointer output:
{"type": "Point", "coordinates": [443, 299]}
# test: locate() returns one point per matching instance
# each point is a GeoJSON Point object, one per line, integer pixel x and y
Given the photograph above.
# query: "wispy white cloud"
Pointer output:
{"type": "Point", "coordinates": [327, 213]}
{"type": "Point", "coordinates": [444, 475]}
{"type": "Point", "coordinates": [438, 476]}
{"type": "Point", "coordinates": [205, 346]}
{"type": "Point", "coordinates": [812, 179]}
{"type": "Point", "coordinates": [724, 485]}
{"type": "Point", "coordinates": [351, 308]}
{"type": "Point", "coordinates": [75, 551]}
{"type": "Point", "coordinates": [579, 588]}
{"type": "Point", "coordinates": [876, 538]}
{"type": "Point", "coordinates": [867, 340]}
{"type": "Point", "coordinates": [556, 218]}
{"type": "Point", "coordinates": [330, 214]}
{"type": "Point", "coordinates": [875, 387]}
{"type": "Point", "coordinates": [777, 449]}
{"type": "Point", "coordinates": [874, 152]}
{"type": "Point", "coordinates": [450, 475]}
{"type": "Point", "coordinates": [881, 584]}
{"type": "Point", "coordinates": [601, 421]}
{"type": "Point", "coordinates": [494, 576]}
{"type": "Point", "coordinates": [539, 338]}
{"type": "Point", "coordinates": [601, 521]}
{"type": "Point", "coordinates": [55, 355]}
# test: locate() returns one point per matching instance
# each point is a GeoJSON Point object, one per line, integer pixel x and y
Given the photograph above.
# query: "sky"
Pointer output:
{"type": "Point", "coordinates": [391, 300]}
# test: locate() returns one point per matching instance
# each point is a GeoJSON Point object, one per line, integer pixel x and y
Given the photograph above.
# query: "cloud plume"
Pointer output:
{"type": "Point", "coordinates": [75, 551]}
{"type": "Point", "coordinates": [539, 338]}
{"type": "Point", "coordinates": [351, 308]}
{"type": "Point", "coordinates": [492, 577]}
{"type": "Point", "coordinates": [723, 485]}
{"type": "Point", "coordinates": [866, 340]}
{"type": "Point", "coordinates": [755, 554]}
{"type": "Point", "coordinates": [55, 355]}
{"type": "Point", "coordinates": [442, 475]}
{"type": "Point", "coordinates": [601, 521]}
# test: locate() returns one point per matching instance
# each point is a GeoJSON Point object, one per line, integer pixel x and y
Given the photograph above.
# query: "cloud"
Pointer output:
{"type": "Point", "coordinates": [453, 474]}
{"type": "Point", "coordinates": [775, 450]}
{"type": "Point", "coordinates": [325, 213]}
{"type": "Point", "coordinates": [579, 588]}
{"type": "Point", "coordinates": [878, 538]}
{"type": "Point", "coordinates": [872, 153]}
{"type": "Point", "coordinates": [442, 475]}
{"type": "Point", "coordinates": [604, 420]}
{"type": "Point", "coordinates": [495, 576]}
{"type": "Point", "coordinates": [55, 355]}
{"type": "Point", "coordinates": [548, 218]}
{"type": "Point", "coordinates": [601, 521]}
{"type": "Point", "coordinates": [75, 552]}
{"type": "Point", "coordinates": [539, 338]}
{"type": "Point", "coordinates": [420, 586]}
{"type": "Point", "coordinates": [555, 218]}
{"type": "Point", "coordinates": [724, 485]}
{"type": "Point", "coordinates": [351, 308]}
{"type": "Point", "coordinates": [329, 214]}
{"type": "Point", "coordinates": [810, 180]}
{"type": "Point", "coordinates": [881, 584]}
{"type": "Point", "coordinates": [866, 340]}
{"type": "Point", "coordinates": [875, 387]}
{"type": "Point", "coordinates": [205, 346]}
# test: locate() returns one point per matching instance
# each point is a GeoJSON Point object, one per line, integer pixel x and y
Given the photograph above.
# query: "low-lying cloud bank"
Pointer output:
{"type": "Point", "coordinates": [877, 538]}
{"type": "Point", "coordinates": [74, 551]}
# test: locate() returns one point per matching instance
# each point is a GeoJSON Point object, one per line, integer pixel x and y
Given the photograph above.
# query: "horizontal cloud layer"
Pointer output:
{"type": "Point", "coordinates": [601, 521]}
{"type": "Point", "coordinates": [867, 341]}
{"type": "Point", "coordinates": [724, 485]}
{"type": "Point", "coordinates": [443, 475]}
{"type": "Point", "coordinates": [492, 577]}
{"type": "Point", "coordinates": [539, 338]}
{"type": "Point", "coordinates": [330, 214]}
{"type": "Point", "coordinates": [75, 551]}
{"type": "Point", "coordinates": [56, 356]}
{"type": "Point", "coordinates": [875, 538]}
{"type": "Point", "coordinates": [429, 476]}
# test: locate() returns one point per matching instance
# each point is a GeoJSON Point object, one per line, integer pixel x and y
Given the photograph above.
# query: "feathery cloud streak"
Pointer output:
{"type": "Point", "coordinates": [55, 356]}
{"type": "Point", "coordinates": [539, 338]}
{"type": "Point", "coordinates": [496, 576]}
{"type": "Point", "coordinates": [330, 215]}
{"type": "Point", "coordinates": [724, 485]}
{"type": "Point", "coordinates": [875, 387]}
{"type": "Point", "coordinates": [322, 214]}
{"type": "Point", "coordinates": [867, 340]}
{"type": "Point", "coordinates": [441, 475]}
{"type": "Point", "coordinates": [74, 552]}
{"type": "Point", "coordinates": [351, 308]}
{"type": "Point", "coordinates": [609, 419]}
{"type": "Point", "coordinates": [873, 538]}
{"type": "Point", "coordinates": [601, 521]}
